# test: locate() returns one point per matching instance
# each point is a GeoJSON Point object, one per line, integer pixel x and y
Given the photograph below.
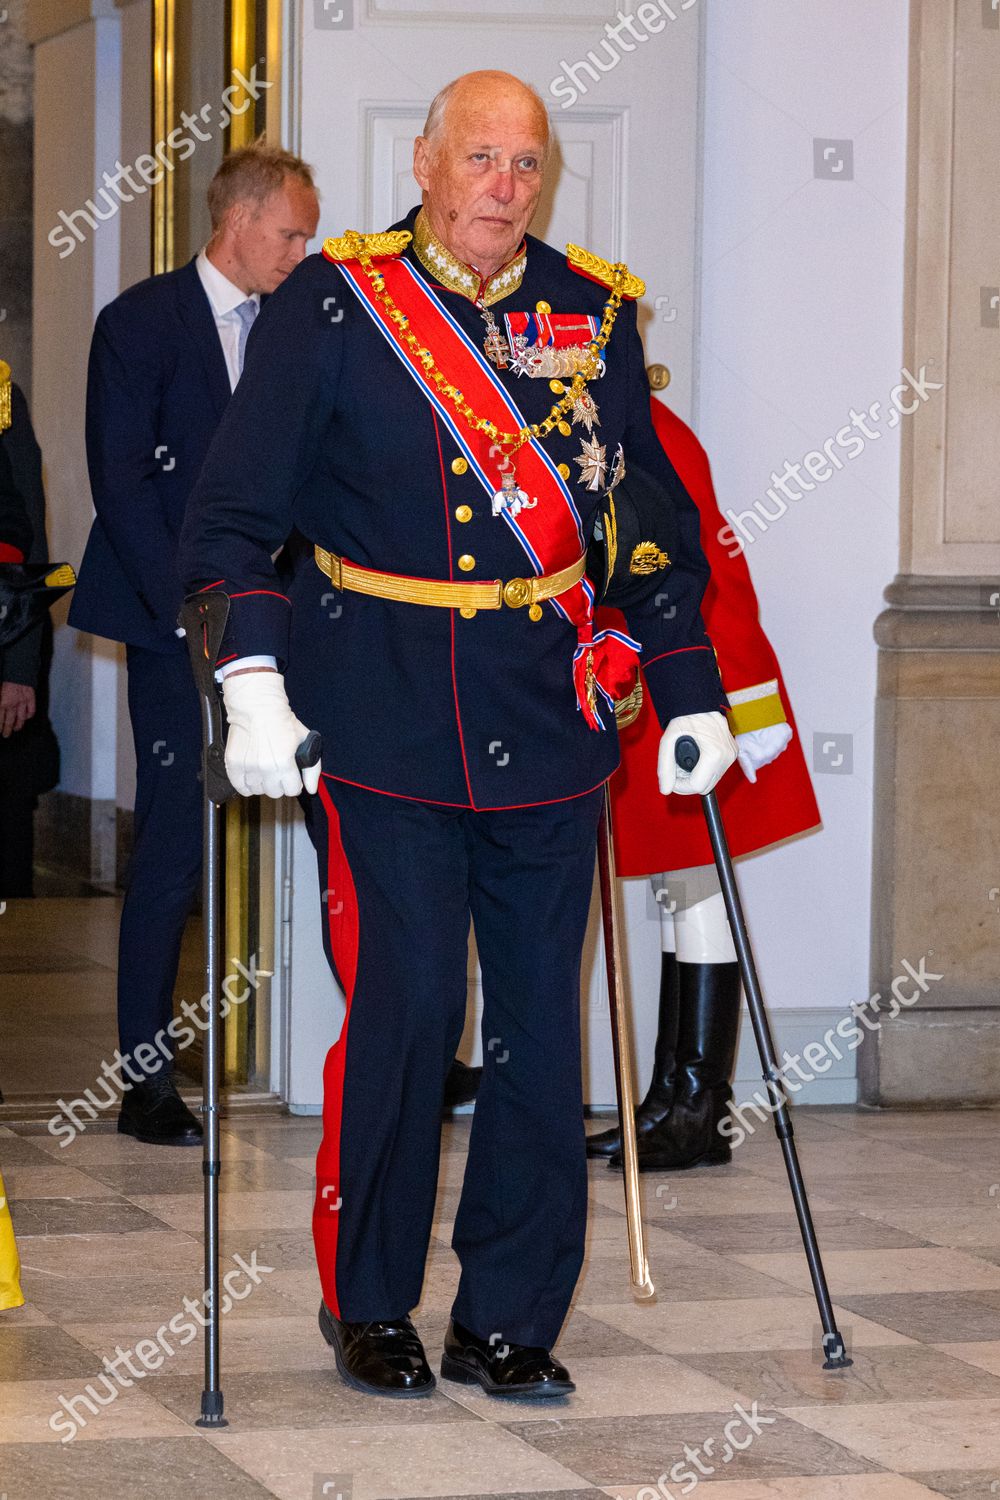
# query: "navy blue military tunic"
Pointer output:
{"type": "Point", "coordinates": [329, 434]}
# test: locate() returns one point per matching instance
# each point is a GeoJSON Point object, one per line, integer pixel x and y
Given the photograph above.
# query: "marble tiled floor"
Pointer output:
{"type": "Point", "coordinates": [907, 1208]}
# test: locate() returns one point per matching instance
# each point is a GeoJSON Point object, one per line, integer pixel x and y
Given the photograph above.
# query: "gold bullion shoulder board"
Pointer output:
{"type": "Point", "coordinates": [598, 269]}
{"type": "Point", "coordinates": [348, 246]}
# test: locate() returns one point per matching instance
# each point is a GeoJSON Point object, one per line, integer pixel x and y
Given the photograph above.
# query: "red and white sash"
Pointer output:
{"type": "Point", "coordinates": [550, 532]}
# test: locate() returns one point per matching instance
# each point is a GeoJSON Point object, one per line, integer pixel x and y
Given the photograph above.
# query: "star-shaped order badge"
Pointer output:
{"type": "Point", "coordinates": [593, 461]}
{"type": "Point", "coordinates": [585, 410]}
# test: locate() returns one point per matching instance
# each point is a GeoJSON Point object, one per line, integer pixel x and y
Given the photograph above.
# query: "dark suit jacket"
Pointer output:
{"type": "Point", "coordinates": [156, 388]}
{"type": "Point", "coordinates": [328, 433]}
{"type": "Point", "coordinates": [20, 662]}
{"type": "Point", "coordinates": [15, 527]}
{"type": "Point", "coordinates": [29, 760]}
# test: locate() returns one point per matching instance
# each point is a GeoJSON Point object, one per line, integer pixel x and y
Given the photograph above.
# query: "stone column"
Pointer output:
{"type": "Point", "coordinates": [936, 889]}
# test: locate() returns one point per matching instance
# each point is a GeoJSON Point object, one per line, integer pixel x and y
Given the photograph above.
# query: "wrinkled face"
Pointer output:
{"type": "Point", "coordinates": [269, 239]}
{"type": "Point", "coordinates": [481, 175]}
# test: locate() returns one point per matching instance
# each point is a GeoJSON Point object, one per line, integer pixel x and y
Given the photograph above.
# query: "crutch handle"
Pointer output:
{"type": "Point", "coordinates": [310, 750]}
{"type": "Point", "coordinates": [686, 753]}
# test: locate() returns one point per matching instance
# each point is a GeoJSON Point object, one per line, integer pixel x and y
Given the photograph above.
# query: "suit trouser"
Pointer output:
{"type": "Point", "coordinates": [400, 880]}
{"type": "Point", "coordinates": [165, 868]}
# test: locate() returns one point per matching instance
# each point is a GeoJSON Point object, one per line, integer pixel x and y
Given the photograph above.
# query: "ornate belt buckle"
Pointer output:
{"type": "Point", "coordinates": [516, 593]}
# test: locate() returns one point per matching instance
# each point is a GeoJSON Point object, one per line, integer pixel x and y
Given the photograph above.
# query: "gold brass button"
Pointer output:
{"type": "Point", "coordinates": [535, 612]}
{"type": "Point", "coordinates": [542, 307]}
{"type": "Point", "coordinates": [466, 562]}
{"type": "Point", "coordinates": [463, 513]}
{"type": "Point", "coordinates": [467, 612]}
{"type": "Point", "coordinates": [557, 387]}
{"type": "Point", "coordinates": [564, 470]}
{"type": "Point", "coordinates": [565, 429]}
{"type": "Point", "coordinates": [459, 466]}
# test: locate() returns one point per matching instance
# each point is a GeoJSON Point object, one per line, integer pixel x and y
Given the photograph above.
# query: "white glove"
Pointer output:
{"type": "Point", "coordinates": [758, 747]}
{"type": "Point", "coordinates": [710, 733]}
{"type": "Point", "coordinates": [263, 737]}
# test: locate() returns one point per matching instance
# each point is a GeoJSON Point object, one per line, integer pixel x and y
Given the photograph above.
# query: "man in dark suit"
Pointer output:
{"type": "Point", "coordinates": [29, 754]}
{"type": "Point", "coordinates": [444, 411]}
{"type": "Point", "coordinates": [15, 526]}
{"type": "Point", "coordinates": [165, 358]}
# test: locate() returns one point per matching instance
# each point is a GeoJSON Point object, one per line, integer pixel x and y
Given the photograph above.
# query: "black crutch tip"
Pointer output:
{"type": "Point", "coordinates": [837, 1357]}
{"type": "Point", "coordinates": [211, 1410]}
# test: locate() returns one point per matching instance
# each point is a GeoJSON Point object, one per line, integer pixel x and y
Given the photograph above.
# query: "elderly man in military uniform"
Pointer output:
{"type": "Point", "coordinates": [443, 410]}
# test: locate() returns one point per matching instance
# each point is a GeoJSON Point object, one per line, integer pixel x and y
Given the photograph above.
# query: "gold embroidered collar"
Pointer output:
{"type": "Point", "coordinates": [457, 276]}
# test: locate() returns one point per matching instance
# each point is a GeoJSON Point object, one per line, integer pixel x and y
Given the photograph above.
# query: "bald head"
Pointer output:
{"type": "Point", "coordinates": [486, 90]}
{"type": "Point", "coordinates": [480, 162]}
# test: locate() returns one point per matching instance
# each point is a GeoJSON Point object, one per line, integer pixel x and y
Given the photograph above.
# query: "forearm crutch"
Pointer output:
{"type": "Point", "coordinates": [687, 755]}
{"type": "Point", "coordinates": [642, 1286]}
{"type": "Point", "coordinates": [204, 617]}
{"type": "Point", "coordinates": [204, 620]}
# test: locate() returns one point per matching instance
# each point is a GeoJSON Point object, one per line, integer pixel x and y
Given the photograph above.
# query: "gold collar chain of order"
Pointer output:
{"type": "Point", "coordinates": [510, 441]}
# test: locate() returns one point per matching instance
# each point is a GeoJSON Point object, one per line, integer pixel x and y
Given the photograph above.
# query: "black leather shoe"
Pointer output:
{"type": "Point", "coordinates": [381, 1359]}
{"type": "Point", "coordinates": [154, 1112]}
{"type": "Point", "coordinates": [502, 1369]}
{"type": "Point", "coordinates": [605, 1144]}
{"type": "Point", "coordinates": [461, 1084]}
{"type": "Point", "coordinates": [689, 1135]}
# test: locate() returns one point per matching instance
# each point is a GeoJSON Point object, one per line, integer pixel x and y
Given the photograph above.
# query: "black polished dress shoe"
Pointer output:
{"type": "Point", "coordinates": [502, 1369]}
{"type": "Point", "coordinates": [461, 1085]}
{"type": "Point", "coordinates": [381, 1359]}
{"type": "Point", "coordinates": [154, 1112]}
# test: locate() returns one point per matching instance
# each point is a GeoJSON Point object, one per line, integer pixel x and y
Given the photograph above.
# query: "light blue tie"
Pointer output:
{"type": "Point", "coordinates": [246, 312]}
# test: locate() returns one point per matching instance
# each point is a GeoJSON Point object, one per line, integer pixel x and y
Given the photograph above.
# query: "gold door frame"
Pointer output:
{"type": "Point", "coordinates": [254, 34]}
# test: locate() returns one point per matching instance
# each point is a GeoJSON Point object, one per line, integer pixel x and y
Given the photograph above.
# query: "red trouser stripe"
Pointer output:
{"type": "Point", "coordinates": [342, 915]}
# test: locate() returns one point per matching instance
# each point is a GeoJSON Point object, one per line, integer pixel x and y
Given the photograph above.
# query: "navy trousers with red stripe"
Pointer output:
{"type": "Point", "coordinates": [401, 880]}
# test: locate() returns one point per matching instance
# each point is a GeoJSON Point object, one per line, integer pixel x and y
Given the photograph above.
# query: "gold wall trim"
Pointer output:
{"type": "Point", "coordinates": [248, 901]}
{"type": "Point", "coordinates": [164, 65]}
{"type": "Point", "coordinates": [242, 56]}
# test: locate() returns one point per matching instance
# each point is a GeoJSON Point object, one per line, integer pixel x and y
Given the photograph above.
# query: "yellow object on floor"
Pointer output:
{"type": "Point", "coordinates": [10, 1265]}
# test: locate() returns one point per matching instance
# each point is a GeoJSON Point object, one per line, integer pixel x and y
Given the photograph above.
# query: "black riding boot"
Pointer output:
{"type": "Point", "coordinates": [688, 1134]}
{"type": "Point", "coordinates": [660, 1094]}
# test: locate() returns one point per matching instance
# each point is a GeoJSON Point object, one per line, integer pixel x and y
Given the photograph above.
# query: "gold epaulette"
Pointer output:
{"type": "Point", "coordinates": [5, 416]}
{"type": "Point", "coordinates": [352, 244]}
{"type": "Point", "coordinates": [598, 269]}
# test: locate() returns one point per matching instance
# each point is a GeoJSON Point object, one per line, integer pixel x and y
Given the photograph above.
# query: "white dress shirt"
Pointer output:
{"type": "Point", "coordinates": [224, 299]}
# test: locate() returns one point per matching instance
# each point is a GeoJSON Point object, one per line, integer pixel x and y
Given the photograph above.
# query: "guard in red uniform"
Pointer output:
{"type": "Point", "coordinates": [699, 1003]}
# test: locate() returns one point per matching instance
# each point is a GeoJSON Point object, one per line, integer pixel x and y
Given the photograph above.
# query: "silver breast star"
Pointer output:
{"type": "Point", "coordinates": [593, 461]}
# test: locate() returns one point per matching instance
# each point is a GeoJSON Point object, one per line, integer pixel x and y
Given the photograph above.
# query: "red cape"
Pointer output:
{"type": "Point", "coordinates": [652, 832]}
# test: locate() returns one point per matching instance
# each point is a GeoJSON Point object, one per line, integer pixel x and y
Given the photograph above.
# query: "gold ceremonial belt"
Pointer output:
{"type": "Point", "coordinates": [493, 595]}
